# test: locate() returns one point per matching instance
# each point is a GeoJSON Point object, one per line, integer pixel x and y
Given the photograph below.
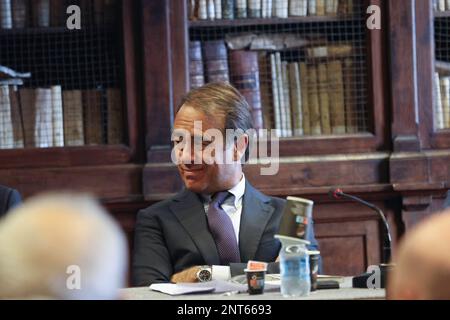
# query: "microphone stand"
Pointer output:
{"type": "Point", "coordinates": [360, 281]}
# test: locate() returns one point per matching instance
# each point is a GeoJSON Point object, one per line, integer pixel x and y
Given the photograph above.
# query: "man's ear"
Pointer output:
{"type": "Point", "coordinates": [241, 146]}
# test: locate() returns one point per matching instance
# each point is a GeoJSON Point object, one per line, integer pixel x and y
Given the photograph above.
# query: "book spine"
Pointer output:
{"type": "Point", "coordinates": [218, 8]}
{"type": "Point", "coordinates": [314, 101]}
{"type": "Point", "coordinates": [305, 98]}
{"type": "Point", "coordinates": [43, 133]}
{"type": "Point", "coordinates": [281, 8]}
{"type": "Point", "coordinates": [6, 20]}
{"type": "Point", "coordinates": [93, 125]}
{"type": "Point", "coordinates": [254, 9]}
{"type": "Point", "coordinates": [447, 5]}
{"type": "Point", "coordinates": [216, 61]}
{"type": "Point", "coordinates": [115, 117]}
{"type": "Point", "coordinates": [6, 129]}
{"type": "Point", "coordinates": [441, 5]}
{"type": "Point", "coordinates": [196, 72]}
{"type": "Point", "coordinates": [28, 108]}
{"type": "Point", "coordinates": [20, 14]}
{"type": "Point", "coordinates": [241, 9]}
{"type": "Point", "coordinates": [265, 80]}
{"type": "Point", "coordinates": [191, 10]}
{"type": "Point", "coordinates": [57, 117]}
{"type": "Point", "coordinates": [439, 112]}
{"type": "Point", "coordinates": [16, 117]}
{"type": "Point", "coordinates": [312, 8]}
{"type": "Point", "coordinates": [275, 95]}
{"type": "Point", "coordinates": [202, 10]}
{"type": "Point", "coordinates": [211, 9]}
{"type": "Point", "coordinates": [73, 118]}
{"type": "Point", "coordinates": [244, 71]}
{"type": "Point", "coordinates": [287, 99]}
{"type": "Point", "coordinates": [350, 94]}
{"type": "Point", "coordinates": [266, 8]}
{"type": "Point", "coordinates": [228, 9]}
{"type": "Point", "coordinates": [296, 98]}
{"type": "Point", "coordinates": [324, 98]}
{"type": "Point", "coordinates": [320, 7]}
{"type": "Point", "coordinates": [336, 89]}
{"type": "Point", "coordinates": [283, 131]}
{"type": "Point", "coordinates": [445, 91]}
{"type": "Point", "coordinates": [298, 8]}
{"type": "Point", "coordinates": [41, 13]}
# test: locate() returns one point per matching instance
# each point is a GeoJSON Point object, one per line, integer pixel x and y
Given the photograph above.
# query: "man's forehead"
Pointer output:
{"type": "Point", "coordinates": [189, 117]}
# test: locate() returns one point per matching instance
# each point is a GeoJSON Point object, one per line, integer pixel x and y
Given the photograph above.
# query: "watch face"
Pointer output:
{"type": "Point", "coordinates": [204, 275]}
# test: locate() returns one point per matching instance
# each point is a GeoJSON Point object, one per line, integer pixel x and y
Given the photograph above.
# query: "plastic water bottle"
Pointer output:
{"type": "Point", "coordinates": [295, 275]}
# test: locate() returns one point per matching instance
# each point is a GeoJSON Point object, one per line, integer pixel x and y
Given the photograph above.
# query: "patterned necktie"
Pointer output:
{"type": "Point", "coordinates": [222, 230]}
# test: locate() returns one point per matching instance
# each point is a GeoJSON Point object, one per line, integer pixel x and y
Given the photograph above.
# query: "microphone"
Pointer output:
{"type": "Point", "coordinates": [361, 281]}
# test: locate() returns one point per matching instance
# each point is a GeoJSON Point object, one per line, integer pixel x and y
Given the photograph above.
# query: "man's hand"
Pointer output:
{"type": "Point", "coordinates": [188, 275]}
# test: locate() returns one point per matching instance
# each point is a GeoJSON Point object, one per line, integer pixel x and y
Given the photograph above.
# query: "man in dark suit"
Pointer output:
{"type": "Point", "coordinates": [9, 198]}
{"type": "Point", "coordinates": [220, 221]}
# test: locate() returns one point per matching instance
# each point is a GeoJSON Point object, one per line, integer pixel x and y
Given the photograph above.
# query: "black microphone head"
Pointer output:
{"type": "Point", "coordinates": [335, 193]}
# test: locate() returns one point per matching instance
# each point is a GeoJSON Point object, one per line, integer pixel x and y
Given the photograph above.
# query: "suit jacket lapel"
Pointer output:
{"type": "Point", "coordinates": [189, 210]}
{"type": "Point", "coordinates": [256, 213]}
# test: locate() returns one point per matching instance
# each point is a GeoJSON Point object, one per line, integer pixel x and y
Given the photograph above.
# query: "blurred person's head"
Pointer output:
{"type": "Point", "coordinates": [50, 240]}
{"type": "Point", "coordinates": [218, 107]}
{"type": "Point", "coordinates": [422, 270]}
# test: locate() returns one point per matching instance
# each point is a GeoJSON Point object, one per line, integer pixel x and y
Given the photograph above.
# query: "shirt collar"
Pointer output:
{"type": "Point", "coordinates": [237, 191]}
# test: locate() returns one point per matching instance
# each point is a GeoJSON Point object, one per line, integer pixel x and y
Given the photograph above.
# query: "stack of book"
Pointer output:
{"type": "Point", "coordinates": [242, 9]}
{"type": "Point", "coordinates": [51, 117]}
{"type": "Point", "coordinates": [442, 96]}
{"type": "Point", "coordinates": [315, 94]}
{"type": "Point", "coordinates": [441, 5]}
{"type": "Point", "coordinates": [19, 14]}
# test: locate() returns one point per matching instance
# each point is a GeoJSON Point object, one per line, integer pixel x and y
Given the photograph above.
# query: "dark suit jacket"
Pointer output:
{"type": "Point", "coordinates": [173, 235]}
{"type": "Point", "coordinates": [447, 201]}
{"type": "Point", "coordinates": [9, 198]}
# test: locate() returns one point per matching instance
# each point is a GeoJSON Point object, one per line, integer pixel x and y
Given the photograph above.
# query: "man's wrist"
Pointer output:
{"type": "Point", "coordinates": [204, 274]}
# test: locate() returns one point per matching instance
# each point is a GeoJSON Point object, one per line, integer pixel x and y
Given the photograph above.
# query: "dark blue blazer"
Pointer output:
{"type": "Point", "coordinates": [9, 198]}
{"type": "Point", "coordinates": [173, 235]}
{"type": "Point", "coordinates": [447, 201]}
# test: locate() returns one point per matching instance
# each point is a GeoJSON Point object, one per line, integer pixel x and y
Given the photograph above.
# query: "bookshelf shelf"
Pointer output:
{"type": "Point", "coordinates": [269, 21]}
{"type": "Point", "coordinates": [442, 14]}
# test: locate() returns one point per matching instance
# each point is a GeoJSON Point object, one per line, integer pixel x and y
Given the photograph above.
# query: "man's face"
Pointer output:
{"type": "Point", "coordinates": [200, 176]}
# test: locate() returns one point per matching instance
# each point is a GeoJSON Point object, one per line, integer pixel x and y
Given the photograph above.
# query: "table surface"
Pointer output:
{"type": "Point", "coordinates": [344, 293]}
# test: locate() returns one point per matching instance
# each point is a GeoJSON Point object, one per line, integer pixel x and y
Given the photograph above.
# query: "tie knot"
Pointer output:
{"type": "Point", "coordinates": [219, 198]}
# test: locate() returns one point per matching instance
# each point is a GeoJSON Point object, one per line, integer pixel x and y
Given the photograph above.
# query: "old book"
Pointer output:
{"type": "Point", "coordinates": [115, 116]}
{"type": "Point", "coordinates": [43, 130]}
{"type": "Point", "coordinates": [332, 51]}
{"type": "Point", "coordinates": [254, 8]}
{"type": "Point", "coordinates": [445, 94]}
{"type": "Point", "coordinates": [304, 89]}
{"type": "Point", "coordinates": [281, 8]}
{"type": "Point", "coordinates": [28, 108]}
{"type": "Point", "coordinates": [312, 7]}
{"type": "Point", "coordinates": [287, 100]}
{"type": "Point", "coordinates": [241, 9]}
{"type": "Point", "coordinates": [447, 5]}
{"type": "Point", "coordinates": [41, 13]}
{"type": "Point", "coordinates": [320, 7]}
{"type": "Point", "coordinates": [336, 89]}
{"type": "Point", "coordinates": [351, 120]}
{"type": "Point", "coordinates": [218, 8]}
{"type": "Point", "coordinates": [228, 9]}
{"type": "Point", "coordinates": [275, 95]}
{"type": "Point", "coordinates": [441, 5]}
{"type": "Point", "coordinates": [6, 128]}
{"type": "Point", "coordinates": [196, 72]}
{"type": "Point", "coordinates": [20, 13]}
{"type": "Point", "coordinates": [324, 98]}
{"type": "Point", "coordinates": [215, 56]}
{"type": "Point", "coordinates": [202, 9]}
{"type": "Point", "coordinates": [296, 98]}
{"type": "Point", "coordinates": [266, 8]}
{"type": "Point", "coordinates": [331, 7]}
{"type": "Point", "coordinates": [314, 104]}
{"type": "Point", "coordinates": [210, 6]}
{"type": "Point", "coordinates": [281, 96]}
{"type": "Point", "coordinates": [16, 117]}
{"type": "Point", "coordinates": [57, 117]}
{"type": "Point", "coordinates": [93, 122]}
{"type": "Point", "coordinates": [244, 73]}
{"type": "Point", "coordinates": [298, 8]}
{"type": "Point", "coordinates": [439, 111]}
{"type": "Point", "coordinates": [6, 20]}
{"type": "Point", "coordinates": [192, 14]}
{"type": "Point", "coordinates": [265, 82]}
{"type": "Point", "coordinates": [73, 118]}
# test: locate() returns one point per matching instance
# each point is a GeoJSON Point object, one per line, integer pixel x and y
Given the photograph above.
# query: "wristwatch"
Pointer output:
{"type": "Point", "coordinates": [204, 274]}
